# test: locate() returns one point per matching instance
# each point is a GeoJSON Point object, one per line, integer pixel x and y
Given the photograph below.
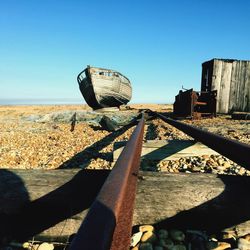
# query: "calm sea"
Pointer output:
{"type": "Point", "coordinates": [40, 101]}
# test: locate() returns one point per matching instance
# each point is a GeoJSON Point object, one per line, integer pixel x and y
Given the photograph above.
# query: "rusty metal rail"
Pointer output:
{"type": "Point", "coordinates": [108, 223]}
{"type": "Point", "coordinates": [234, 150]}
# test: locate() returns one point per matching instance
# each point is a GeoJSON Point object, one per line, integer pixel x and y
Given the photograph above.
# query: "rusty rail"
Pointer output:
{"type": "Point", "coordinates": [108, 223]}
{"type": "Point", "coordinates": [234, 150]}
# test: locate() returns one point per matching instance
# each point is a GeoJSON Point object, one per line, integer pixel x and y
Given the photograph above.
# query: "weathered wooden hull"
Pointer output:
{"type": "Point", "coordinates": [103, 88]}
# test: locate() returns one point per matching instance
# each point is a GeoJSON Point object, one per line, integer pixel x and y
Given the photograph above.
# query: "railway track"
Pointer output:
{"type": "Point", "coordinates": [108, 223]}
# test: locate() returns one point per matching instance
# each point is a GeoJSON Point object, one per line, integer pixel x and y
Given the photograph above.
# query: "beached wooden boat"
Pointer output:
{"type": "Point", "coordinates": [102, 88]}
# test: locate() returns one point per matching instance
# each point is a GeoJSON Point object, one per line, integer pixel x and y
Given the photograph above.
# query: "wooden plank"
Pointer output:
{"type": "Point", "coordinates": [167, 150]}
{"type": "Point", "coordinates": [238, 90]}
{"type": "Point", "coordinates": [234, 87]}
{"type": "Point", "coordinates": [246, 94]}
{"type": "Point", "coordinates": [223, 97]}
{"type": "Point", "coordinates": [216, 79]}
{"type": "Point", "coordinates": [241, 115]}
{"type": "Point", "coordinates": [193, 201]}
{"type": "Point", "coordinates": [241, 86]}
{"type": "Point", "coordinates": [49, 203]}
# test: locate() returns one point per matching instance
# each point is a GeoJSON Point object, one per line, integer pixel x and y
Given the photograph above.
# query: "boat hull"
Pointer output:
{"type": "Point", "coordinates": [103, 88]}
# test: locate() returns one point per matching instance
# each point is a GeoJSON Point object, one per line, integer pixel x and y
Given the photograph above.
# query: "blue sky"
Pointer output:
{"type": "Point", "coordinates": [158, 44]}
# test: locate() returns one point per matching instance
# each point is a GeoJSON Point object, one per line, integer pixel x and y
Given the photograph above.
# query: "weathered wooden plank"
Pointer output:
{"type": "Point", "coordinates": [241, 115]}
{"type": "Point", "coordinates": [246, 107]}
{"type": "Point", "coordinates": [49, 203]}
{"type": "Point", "coordinates": [225, 87]}
{"type": "Point", "coordinates": [217, 70]}
{"type": "Point", "coordinates": [196, 201]}
{"type": "Point", "coordinates": [233, 87]}
{"type": "Point", "coordinates": [242, 85]}
{"type": "Point", "coordinates": [167, 150]}
{"type": "Point", "coordinates": [238, 87]}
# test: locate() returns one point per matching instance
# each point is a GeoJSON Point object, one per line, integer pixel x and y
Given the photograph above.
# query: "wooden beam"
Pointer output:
{"type": "Point", "coordinates": [52, 204]}
{"type": "Point", "coordinates": [159, 150]}
{"type": "Point", "coordinates": [194, 201]}
{"type": "Point", "coordinates": [49, 203]}
{"type": "Point", "coordinates": [241, 115]}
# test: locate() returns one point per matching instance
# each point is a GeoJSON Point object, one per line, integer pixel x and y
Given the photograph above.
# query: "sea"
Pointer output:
{"type": "Point", "coordinates": [58, 101]}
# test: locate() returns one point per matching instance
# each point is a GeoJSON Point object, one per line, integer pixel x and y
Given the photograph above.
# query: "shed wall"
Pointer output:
{"type": "Point", "coordinates": [231, 79]}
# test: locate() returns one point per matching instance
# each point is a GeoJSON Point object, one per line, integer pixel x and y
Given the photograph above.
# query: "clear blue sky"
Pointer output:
{"type": "Point", "coordinates": [158, 44]}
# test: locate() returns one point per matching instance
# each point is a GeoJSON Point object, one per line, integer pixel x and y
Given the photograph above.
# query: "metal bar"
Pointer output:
{"type": "Point", "coordinates": [108, 223]}
{"type": "Point", "coordinates": [236, 151]}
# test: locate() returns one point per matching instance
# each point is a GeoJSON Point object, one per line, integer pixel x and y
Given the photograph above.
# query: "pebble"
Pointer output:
{"type": "Point", "coordinates": [148, 237]}
{"type": "Point", "coordinates": [46, 246]}
{"type": "Point", "coordinates": [162, 234]}
{"type": "Point", "coordinates": [135, 247]}
{"type": "Point", "coordinates": [135, 239]}
{"type": "Point", "coordinates": [218, 245]}
{"type": "Point", "coordinates": [146, 246]}
{"type": "Point", "coordinates": [167, 243]}
{"type": "Point", "coordinates": [174, 239]}
{"type": "Point", "coordinates": [146, 228]}
{"type": "Point", "coordinates": [178, 247]}
{"type": "Point", "coordinates": [177, 235]}
{"type": "Point", "coordinates": [247, 237]}
{"type": "Point", "coordinates": [243, 244]}
{"type": "Point", "coordinates": [158, 248]}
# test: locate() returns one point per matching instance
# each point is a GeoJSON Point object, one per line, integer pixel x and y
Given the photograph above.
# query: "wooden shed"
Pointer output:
{"type": "Point", "coordinates": [231, 79]}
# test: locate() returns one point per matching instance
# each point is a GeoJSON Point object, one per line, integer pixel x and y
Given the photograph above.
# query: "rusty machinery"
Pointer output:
{"type": "Point", "coordinates": [195, 105]}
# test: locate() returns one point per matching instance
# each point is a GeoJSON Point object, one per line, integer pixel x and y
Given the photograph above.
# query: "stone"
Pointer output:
{"type": "Point", "coordinates": [135, 247]}
{"type": "Point", "coordinates": [146, 228]}
{"type": "Point", "coordinates": [223, 245]}
{"type": "Point", "coordinates": [162, 234]}
{"type": "Point", "coordinates": [243, 244]}
{"type": "Point", "coordinates": [46, 246]}
{"type": "Point", "coordinates": [211, 244]}
{"type": "Point", "coordinates": [205, 156]}
{"type": "Point", "coordinates": [158, 248]}
{"type": "Point", "coordinates": [135, 239]}
{"type": "Point", "coordinates": [148, 236]}
{"type": "Point", "coordinates": [226, 164]}
{"type": "Point", "coordinates": [26, 245]}
{"type": "Point", "coordinates": [214, 245]}
{"type": "Point", "coordinates": [196, 169]}
{"type": "Point", "coordinates": [242, 171]}
{"type": "Point", "coordinates": [247, 237]}
{"type": "Point", "coordinates": [177, 235]}
{"type": "Point", "coordinates": [108, 124]}
{"type": "Point", "coordinates": [220, 162]}
{"type": "Point", "coordinates": [228, 235]}
{"type": "Point", "coordinates": [146, 246]}
{"type": "Point", "coordinates": [179, 247]}
{"type": "Point", "coordinates": [166, 243]}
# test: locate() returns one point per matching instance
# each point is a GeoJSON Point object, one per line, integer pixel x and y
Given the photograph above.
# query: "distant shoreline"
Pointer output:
{"type": "Point", "coordinates": [47, 102]}
{"type": "Point", "coordinates": [24, 102]}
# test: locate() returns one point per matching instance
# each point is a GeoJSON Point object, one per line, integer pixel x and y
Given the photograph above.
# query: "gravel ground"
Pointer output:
{"type": "Point", "coordinates": [27, 143]}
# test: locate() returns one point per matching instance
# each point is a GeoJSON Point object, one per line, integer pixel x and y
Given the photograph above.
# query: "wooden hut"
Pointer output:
{"type": "Point", "coordinates": [231, 79]}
